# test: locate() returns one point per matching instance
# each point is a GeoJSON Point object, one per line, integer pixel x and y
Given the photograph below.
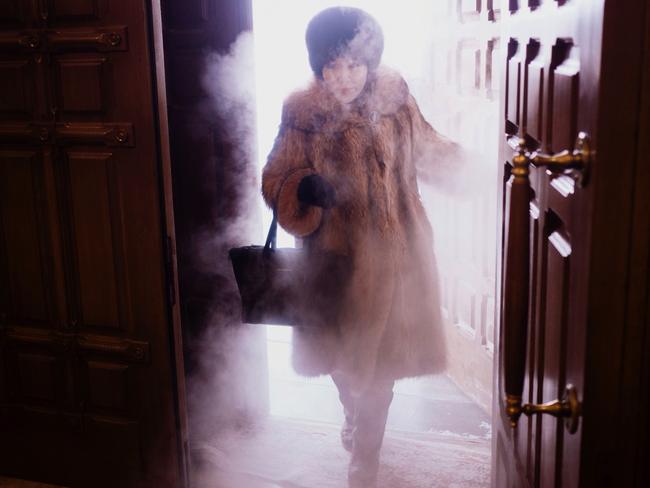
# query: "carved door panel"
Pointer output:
{"type": "Point", "coordinates": [88, 393]}
{"type": "Point", "coordinates": [460, 99]}
{"type": "Point", "coordinates": [550, 80]}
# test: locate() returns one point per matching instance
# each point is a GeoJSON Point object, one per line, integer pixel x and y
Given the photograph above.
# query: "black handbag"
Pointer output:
{"type": "Point", "coordinates": [289, 286]}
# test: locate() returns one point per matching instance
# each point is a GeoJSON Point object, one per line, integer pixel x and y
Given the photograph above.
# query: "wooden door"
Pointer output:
{"type": "Point", "coordinates": [546, 100]}
{"type": "Point", "coordinates": [565, 232]}
{"type": "Point", "coordinates": [88, 385]}
{"type": "Point", "coordinates": [462, 79]}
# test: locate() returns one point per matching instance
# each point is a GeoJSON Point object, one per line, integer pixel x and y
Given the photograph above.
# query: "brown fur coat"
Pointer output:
{"type": "Point", "coordinates": [390, 325]}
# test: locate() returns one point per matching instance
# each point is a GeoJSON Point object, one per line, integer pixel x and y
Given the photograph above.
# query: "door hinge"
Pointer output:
{"type": "Point", "coordinates": [169, 267]}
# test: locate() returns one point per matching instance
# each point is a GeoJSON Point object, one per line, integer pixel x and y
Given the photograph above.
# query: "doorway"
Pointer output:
{"type": "Point", "coordinates": [449, 71]}
{"type": "Point", "coordinates": [446, 53]}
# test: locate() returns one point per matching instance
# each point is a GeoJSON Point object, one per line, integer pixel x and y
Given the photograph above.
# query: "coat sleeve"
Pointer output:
{"type": "Point", "coordinates": [438, 160]}
{"type": "Point", "coordinates": [287, 164]}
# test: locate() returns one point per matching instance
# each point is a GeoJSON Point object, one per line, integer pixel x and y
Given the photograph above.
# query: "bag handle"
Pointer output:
{"type": "Point", "coordinates": [271, 238]}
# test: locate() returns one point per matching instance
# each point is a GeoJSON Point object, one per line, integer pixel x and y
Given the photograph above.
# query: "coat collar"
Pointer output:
{"type": "Point", "coordinates": [314, 109]}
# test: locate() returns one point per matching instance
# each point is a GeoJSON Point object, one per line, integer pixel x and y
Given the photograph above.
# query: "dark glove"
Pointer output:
{"type": "Point", "coordinates": [315, 190]}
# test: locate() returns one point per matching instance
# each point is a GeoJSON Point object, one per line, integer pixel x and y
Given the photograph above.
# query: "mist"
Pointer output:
{"type": "Point", "coordinates": [225, 390]}
{"type": "Point", "coordinates": [228, 386]}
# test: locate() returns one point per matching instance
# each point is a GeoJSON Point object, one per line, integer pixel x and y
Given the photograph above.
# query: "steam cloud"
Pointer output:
{"type": "Point", "coordinates": [225, 390]}
{"type": "Point", "coordinates": [226, 396]}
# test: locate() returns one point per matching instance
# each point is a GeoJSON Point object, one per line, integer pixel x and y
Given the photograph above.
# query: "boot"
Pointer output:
{"type": "Point", "coordinates": [368, 434]}
{"type": "Point", "coordinates": [362, 474]}
{"type": "Point", "coordinates": [347, 435]}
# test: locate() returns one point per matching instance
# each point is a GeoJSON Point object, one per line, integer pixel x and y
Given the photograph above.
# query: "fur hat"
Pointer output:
{"type": "Point", "coordinates": [343, 30]}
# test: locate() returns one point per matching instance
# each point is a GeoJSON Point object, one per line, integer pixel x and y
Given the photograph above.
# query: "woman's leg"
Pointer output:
{"type": "Point", "coordinates": [369, 427]}
{"type": "Point", "coordinates": [348, 402]}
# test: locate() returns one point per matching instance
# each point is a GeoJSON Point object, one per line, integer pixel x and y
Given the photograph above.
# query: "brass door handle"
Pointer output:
{"type": "Point", "coordinates": [569, 408]}
{"type": "Point", "coordinates": [574, 163]}
{"type": "Point", "coordinates": [517, 275]}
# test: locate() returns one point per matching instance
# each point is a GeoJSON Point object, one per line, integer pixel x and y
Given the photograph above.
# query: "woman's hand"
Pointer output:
{"type": "Point", "coordinates": [315, 190]}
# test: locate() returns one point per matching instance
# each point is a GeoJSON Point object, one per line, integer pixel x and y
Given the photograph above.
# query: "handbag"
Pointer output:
{"type": "Point", "coordinates": [287, 286]}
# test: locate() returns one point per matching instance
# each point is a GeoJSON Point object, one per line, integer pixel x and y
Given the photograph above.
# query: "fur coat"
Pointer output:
{"type": "Point", "coordinates": [372, 153]}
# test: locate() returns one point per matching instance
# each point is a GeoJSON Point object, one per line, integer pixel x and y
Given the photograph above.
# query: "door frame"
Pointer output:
{"type": "Point", "coordinates": [159, 95]}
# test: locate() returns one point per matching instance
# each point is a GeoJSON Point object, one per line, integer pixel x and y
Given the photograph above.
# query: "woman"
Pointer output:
{"type": "Point", "coordinates": [342, 176]}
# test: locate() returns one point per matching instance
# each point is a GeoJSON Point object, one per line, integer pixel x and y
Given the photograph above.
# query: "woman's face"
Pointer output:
{"type": "Point", "coordinates": [345, 78]}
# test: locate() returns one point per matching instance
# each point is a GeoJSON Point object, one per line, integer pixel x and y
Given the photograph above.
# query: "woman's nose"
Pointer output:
{"type": "Point", "coordinates": [344, 74]}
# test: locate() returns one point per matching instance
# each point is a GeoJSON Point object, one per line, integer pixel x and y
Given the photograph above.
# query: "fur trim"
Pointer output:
{"type": "Point", "coordinates": [296, 218]}
{"type": "Point", "coordinates": [310, 361]}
